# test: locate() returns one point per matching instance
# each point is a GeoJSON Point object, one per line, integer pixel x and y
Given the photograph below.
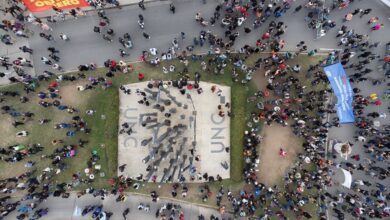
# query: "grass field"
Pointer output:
{"type": "Point", "coordinates": [103, 137]}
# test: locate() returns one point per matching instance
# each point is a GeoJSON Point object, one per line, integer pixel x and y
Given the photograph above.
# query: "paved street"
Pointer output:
{"type": "Point", "coordinates": [86, 46]}
{"type": "Point", "coordinates": [63, 209]}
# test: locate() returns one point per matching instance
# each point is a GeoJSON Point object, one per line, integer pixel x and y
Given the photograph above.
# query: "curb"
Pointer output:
{"type": "Point", "coordinates": [176, 200]}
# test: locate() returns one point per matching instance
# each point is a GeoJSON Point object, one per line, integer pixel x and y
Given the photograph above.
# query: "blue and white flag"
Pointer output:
{"type": "Point", "coordinates": [343, 91]}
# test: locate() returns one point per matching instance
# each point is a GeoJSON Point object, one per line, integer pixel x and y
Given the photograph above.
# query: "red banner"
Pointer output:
{"type": "Point", "coordinates": [43, 5]}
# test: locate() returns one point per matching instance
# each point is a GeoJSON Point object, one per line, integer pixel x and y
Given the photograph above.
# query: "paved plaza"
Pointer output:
{"type": "Point", "coordinates": [175, 133]}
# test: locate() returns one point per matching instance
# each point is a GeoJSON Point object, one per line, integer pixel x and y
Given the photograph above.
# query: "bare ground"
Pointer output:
{"type": "Point", "coordinates": [272, 166]}
{"type": "Point", "coordinates": [71, 96]}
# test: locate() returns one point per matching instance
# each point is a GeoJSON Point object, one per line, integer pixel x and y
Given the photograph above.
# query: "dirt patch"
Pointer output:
{"type": "Point", "coordinates": [260, 80]}
{"type": "Point", "coordinates": [71, 96]}
{"type": "Point", "coordinates": [272, 166]}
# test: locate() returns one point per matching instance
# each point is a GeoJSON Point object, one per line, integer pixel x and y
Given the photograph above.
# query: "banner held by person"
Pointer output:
{"type": "Point", "coordinates": [343, 91]}
{"type": "Point", "coordinates": [44, 5]}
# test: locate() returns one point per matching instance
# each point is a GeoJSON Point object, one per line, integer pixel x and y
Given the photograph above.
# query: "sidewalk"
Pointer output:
{"type": "Point", "coordinates": [63, 209]}
{"type": "Point", "coordinates": [13, 52]}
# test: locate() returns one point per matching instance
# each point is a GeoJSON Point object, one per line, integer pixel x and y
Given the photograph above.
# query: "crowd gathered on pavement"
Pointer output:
{"type": "Point", "coordinates": [304, 105]}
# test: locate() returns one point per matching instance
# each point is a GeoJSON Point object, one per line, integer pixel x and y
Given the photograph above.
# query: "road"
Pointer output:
{"type": "Point", "coordinates": [63, 209]}
{"type": "Point", "coordinates": [86, 46]}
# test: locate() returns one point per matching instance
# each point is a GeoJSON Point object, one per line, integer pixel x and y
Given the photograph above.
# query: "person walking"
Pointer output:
{"type": "Point", "coordinates": [25, 49]}
{"type": "Point", "coordinates": [141, 22]}
{"type": "Point", "coordinates": [377, 27]}
{"type": "Point", "coordinates": [373, 20]}
{"type": "Point", "coordinates": [73, 13]}
{"type": "Point", "coordinates": [123, 53]}
{"type": "Point", "coordinates": [46, 61]}
{"type": "Point", "coordinates": [96, 29]}
{"type": "Point", "coordinates": [48, 37]}
{"type": "Point", "coordinates": [147, 36]}
{"type": "Point", "coordinates": [172, 8]}
{"type": "Point", "coordinates": [56, 66]}
{"type": "Point", "coordinates": [125, 213]}
{"type": "Point", "coordinates": [141, 4]}
{"type": "Point", "coordinates": [64, 37]}
{"type": "Point", "coordinates": [365, 12]}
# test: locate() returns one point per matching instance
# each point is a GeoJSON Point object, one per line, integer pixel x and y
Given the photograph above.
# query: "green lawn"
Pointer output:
{"type": "Point", "coordinates": [103, 136]}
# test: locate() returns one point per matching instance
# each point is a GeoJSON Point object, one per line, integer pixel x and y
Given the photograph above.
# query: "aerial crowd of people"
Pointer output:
{"type": "Point", "coordinates": [288, 99]}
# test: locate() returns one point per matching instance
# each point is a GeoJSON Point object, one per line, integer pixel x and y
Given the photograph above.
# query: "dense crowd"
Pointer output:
{"type": "Point", "coordinates": [304, 105]}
